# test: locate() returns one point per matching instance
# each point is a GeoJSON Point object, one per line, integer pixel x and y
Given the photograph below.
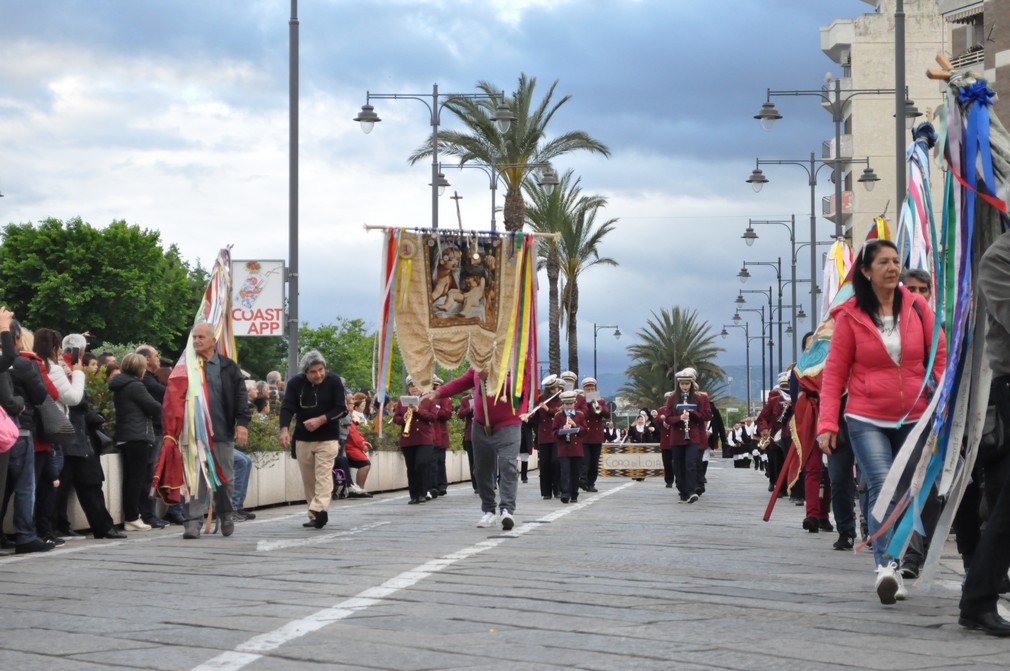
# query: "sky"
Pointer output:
{"type": "Point", "coordinates": [174, 116]}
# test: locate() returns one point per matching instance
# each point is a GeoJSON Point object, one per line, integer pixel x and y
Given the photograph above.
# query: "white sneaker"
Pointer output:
{"type": "Point", "coordinates": [506, 520]}
{"type": "Point", "coordinates": [488, 520]}
{"type": "Point", "coordinates": [136, 525]}
{"type": "Point", "coordinates": [889, 584]}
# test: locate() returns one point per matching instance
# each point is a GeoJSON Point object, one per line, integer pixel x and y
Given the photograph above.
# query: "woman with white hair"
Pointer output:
{"type": "Point", "coordinates": [315, 400]}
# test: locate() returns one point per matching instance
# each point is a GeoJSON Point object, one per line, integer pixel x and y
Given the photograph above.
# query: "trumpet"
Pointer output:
{"type": "Point", "coordinates": [408, 417]}
{"type": "Point", "coordinates": [764, 442]}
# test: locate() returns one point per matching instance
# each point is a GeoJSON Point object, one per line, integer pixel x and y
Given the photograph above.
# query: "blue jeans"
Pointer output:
{"type": "Point", "coordinates": [875, 448]}
{"type": "Point", "coordinates": [21, 482]}
{"type": "Point", "coordinates": [243, 468]}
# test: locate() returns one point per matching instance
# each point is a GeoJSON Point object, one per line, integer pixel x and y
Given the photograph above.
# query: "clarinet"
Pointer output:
{"type": "Point", "coordinates": [687, 422]}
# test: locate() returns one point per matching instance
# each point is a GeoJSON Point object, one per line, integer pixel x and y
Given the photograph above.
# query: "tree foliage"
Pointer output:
{"type": "Point", "coordinates": [670, 341]}
{"type": "Point", "coordinates": [118, 282]}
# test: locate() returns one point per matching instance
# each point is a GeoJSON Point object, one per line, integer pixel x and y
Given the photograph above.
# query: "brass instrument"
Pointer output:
{"type": "Point", "coordinates": [764, 442]}
{"type": "Point", "coordinates": [686, 417]}
{"type": "Point", "coordinates": [408, 416]}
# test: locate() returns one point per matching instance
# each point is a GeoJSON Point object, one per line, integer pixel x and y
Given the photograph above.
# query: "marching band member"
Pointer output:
{"type": "Point", "coordinates": [773, 424]}
{"type": "Point", "coordinates": [417, 441]}
{"type": "Point", "coordinates": [665, 449]}
{"type": "Point", "coordinates": [595, 411]}
{"type": "Point", "coordinates": [542, 416]}
{"type": "Point", "coordinates": [569, 427]}
{"type": "Point", "coordinates": [687, 431]}
{"type": "Point", "coordinates": [568, 380]}
{"type": "Point", "coordinates": [439, 478]}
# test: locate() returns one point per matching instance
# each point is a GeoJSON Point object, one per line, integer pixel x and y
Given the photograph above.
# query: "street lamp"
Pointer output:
{"type": "Point", "coordinates": [777, 265]}
{"type": "Point", "coordinates": [502, 117]}
{"type": "Point", "coordinates": [757, 180]}
{"type": "Point", "coordinates": [547, 181]}
{"type": "Point", "coordinates": [746, 331]}
{"type": "Point", "coordinates": [750, 235]}
{"type": "Point", "coordinates": [835, 103]}
{"type": "Point", "coordinates": [764, 367]}
{"type": "Point", "coordinates": [597, 329]}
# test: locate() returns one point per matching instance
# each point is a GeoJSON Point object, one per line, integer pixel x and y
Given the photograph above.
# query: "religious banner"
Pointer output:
{"type": "Point", "coordinates": [455, 296]}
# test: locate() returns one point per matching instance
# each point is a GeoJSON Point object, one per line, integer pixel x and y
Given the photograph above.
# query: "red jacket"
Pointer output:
{"type": "Point", "coordinates": [857, 361]}
{"type": "Point", "coordinates": [769, 419]}
{"type": "Point", "coordinates": [569, 445]}
{"type": "Point", "coordinates": [697, 433]}
{"type": "Point", "coordinates": [442, 425]}
{"type": "Point", "coordinates": [422, 430]}
{"type": "Point", "coordinates": [499, 410]}
{"type": "Point", "coordinates": [545, 415]}
{"type": "Point", "coordinates": [594, 419]}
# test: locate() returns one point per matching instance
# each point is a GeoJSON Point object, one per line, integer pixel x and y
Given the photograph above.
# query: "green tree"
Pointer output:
{"type": "Point", "coordinates": [258, 355]}
{"type": "Point", "coordinates": [524, 144]}
{"type": "Point", "coordinates": [118, 282]}
{"type": "Point", "coordinates": [670, 341]}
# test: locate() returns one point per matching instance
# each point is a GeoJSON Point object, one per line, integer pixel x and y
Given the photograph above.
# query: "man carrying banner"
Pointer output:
{"type": "Point", "coordinates": [495, 445]}
{"type": "Point", "coordinates": [228, 416]}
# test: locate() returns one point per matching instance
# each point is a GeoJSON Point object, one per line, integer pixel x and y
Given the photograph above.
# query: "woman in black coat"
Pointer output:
{"type": "Point", "coordinates": [135, 411]}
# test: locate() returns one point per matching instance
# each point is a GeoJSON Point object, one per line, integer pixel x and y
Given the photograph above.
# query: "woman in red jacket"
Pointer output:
{"type": "Point", "coordinates": [879, 351]}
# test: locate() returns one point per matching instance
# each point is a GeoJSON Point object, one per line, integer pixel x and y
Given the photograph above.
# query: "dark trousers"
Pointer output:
{"type": "Point", "coordinates": [843, 489]}
{"type": "Point", "coordinates": [569, 474]}
{"type": "Point", "coordinates": [685, 469]}
{"type": "Point", "coordinates": [667, 456]}
{"type": "Point", "coordinates": [468, 446]}
{"type": "Point", "coordinates": [89, 494]}
{"type": "Point", "coordinates": [776, 458]}
{"type": "Point", "coordinates": [550, 480]}
{"type": "Point", "coordinates": [439, 478]}
{"type": "Point", "coordinates": [135, 453]}
{"type": "Point", "coordinates": [991, 559]}
{"type": "Point", "coordinates": [418, 461]}
{"type": "Point", "coordinates": [45, 494]}
{"type": "Point", "coordinates": [590, 469]}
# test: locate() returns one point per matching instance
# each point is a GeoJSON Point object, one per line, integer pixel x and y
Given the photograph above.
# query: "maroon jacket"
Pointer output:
{"type": "Point", "coordinates": [444, 414]}
{"type": "Point", "coordinates": [422, 430]}
{"type": "Point", "coordinates": [570, 445]}
{"type": "Point", "coordinates": [664, 428]}
{"type": "Point", "coordinates": [465, 412]}
{"type": "Point", "coordinates": [594, 420]}
{"type": "Point", "coordinates": [697, 433]}
{"type": "Point", "coordinates": [545, 416]}
{"type": "Point", "coordinates": [499, 410]}
{"type": "Point", "coordinates": [769, 419]}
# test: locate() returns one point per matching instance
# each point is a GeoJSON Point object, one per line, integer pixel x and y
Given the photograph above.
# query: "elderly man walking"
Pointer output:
{"type": "Point", "coordinates": [315, 400]}
{"type": "Point", "coordinates": [228, 405]}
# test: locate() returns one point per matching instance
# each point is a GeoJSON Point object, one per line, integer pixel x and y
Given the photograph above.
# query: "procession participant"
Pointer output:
{"type": "Point", "coordinates": [315, 399]}
{"type": "Point", "coordinates": [773, 425]}
{"type": "Point", "coordinates": [639, 431]}
{"type": "Point", "coordinates": [747, 443]}
{"type": "Point", "coordinates": [465, 413]}
{"type": "Point", "coordinates": [417, 441]}
{"type": "Point", "coordinates": [731, 442]}
{"type": "Point", "coordinates": [687, 431]}
{"type": "Point", "coordinates": [665, 449]}
{"type": "Point", "coordinates": [595, 411]}
{"type": "Point", "coordinates": [439, 478]}
{"type": "Point", "coordinates": [229, 421]}
{"type": "Point", "coordinates": [611, 434]}
{"type": "Point", "coordinates": [568, 380]}
{"type": "Point", "coordinates": [879, 349]}
{"type": "Point", "coordinates": [542, 416]}
{"type": "Point", "coordinates": [527, 443]}
{"type": "Point", "coordinates": [495, 444]}
{"type": "Point", "coordinates": [569, 427]}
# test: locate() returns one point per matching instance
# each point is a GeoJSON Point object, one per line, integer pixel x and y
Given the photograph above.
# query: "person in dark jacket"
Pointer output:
{"type": "Point", "coordinates": [29, 390]}
{"type": "Point", "coordinates": [136, 411]}
{"type": "Point", "coordinates": [315, 400]}
{"type": "Point", "coordinates": [148, 510]}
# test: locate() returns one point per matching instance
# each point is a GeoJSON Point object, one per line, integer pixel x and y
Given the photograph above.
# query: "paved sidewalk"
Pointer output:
{"type": "Point", "coordinates": [626, 579]}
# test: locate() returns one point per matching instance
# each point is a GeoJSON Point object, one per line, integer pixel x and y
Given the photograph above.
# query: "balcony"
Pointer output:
{"type": "Point", "coordinates": [837, 39]}
{"type": "Point", "coordinates": [972, 57]}
{"type": "Point", "coordinates": [828, 206]}
{"type": "Point", "coordinates": [828, 88]}
{"type": "Point", "coordinates": [827, 147]}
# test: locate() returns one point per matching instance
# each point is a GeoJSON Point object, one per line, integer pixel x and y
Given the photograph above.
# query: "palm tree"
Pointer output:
{"type": "Point", "coordinates": [579, 250]}
{"type": "Point", "coordinates": [553, 213]}
{"type": "Point", "coordinates": [524, 144]}
{"type": "Point", "coordinates": [670, 341]}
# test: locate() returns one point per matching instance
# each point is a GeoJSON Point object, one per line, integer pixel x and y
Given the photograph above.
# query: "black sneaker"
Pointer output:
{"type": "Point", "coordinates": [69, 534]}
{"type": "Point", "coordinates": [910, 569]}
{"type": "Point", "coordinates": [37, 545]}
{"type": "Point", "coordinates": [54, 540]}
{"type": "Point", "coordinates": [844, 542]}
{"type": "Point", "coordinates": [243, 515]}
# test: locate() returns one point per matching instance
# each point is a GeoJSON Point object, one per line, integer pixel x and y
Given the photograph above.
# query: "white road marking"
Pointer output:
{"type": "Point", "coordinates": [257, 646]}
{"type": "Point", "coordinates": [267, 546]}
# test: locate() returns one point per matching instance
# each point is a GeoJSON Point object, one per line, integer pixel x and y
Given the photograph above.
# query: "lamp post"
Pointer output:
{"type": "Point", "coordinates": [502, 116]}
{"type": "Point", "coordinates": [777, 265]}
{"type": "Point", "coordinates": [740, 300]}
{"type": "Point", "coordinates": [764, 367]}
{"type": "Point", "coordinates": [757, 180]}
{"type": "Point", "coordinates": [750, 236]}
{"type": "Point", "coordinates": [746, 332]}
{"type": "Point", "coordinates": [547, 181]}
{"type": "Point", "coordinates": [597, 329]}
{"type": "Point", "coordinates": [835, 103]}
{"type": "Point", "coordinates": [292, 274]}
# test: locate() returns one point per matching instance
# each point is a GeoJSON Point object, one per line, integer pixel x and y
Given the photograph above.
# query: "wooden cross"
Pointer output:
{"type": "Point", "coordinates": [455, 196]}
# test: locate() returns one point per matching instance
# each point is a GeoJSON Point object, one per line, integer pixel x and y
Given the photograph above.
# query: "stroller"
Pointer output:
{"type": "Point", "coordinates": [341, 475]}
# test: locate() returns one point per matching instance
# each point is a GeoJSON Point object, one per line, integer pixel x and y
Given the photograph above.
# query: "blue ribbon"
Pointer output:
{"type": "Point", "coordinates": [979, 92]}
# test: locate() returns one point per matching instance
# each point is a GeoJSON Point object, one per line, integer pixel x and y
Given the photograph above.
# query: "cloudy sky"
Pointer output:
{"type": "Point", "coordinates": [173, 115]}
